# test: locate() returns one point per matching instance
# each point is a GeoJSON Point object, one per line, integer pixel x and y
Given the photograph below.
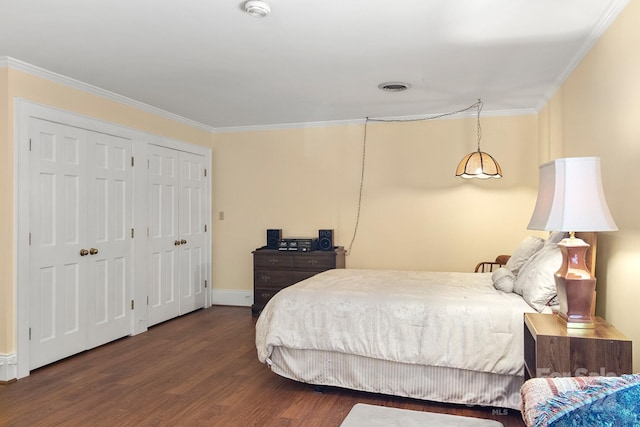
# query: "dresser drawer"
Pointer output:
{"type": "Point", "coordinates": [262, 296]}
{"type": "Point", "coordinates": [272, 260]}
{"type": "Point", "coordinates": [268, 283]}
{"type": "Point", "coordinates": [314, 262]}
{"type": "Point", "coordinates": [274, 279]}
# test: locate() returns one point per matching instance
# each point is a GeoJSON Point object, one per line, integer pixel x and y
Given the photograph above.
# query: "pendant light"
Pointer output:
{"type": "Point", "coordinates": [479, 164]}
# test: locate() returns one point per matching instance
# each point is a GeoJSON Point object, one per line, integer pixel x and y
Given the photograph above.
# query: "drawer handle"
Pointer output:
{"type": "Point", "coordinates": [273, 261]}
{"type": "Point", "coordinates": [313, 261]}
{"type": "Point", "coordinates": [265, 295]}
{"type": "Point", "coordinates": [265, 277]}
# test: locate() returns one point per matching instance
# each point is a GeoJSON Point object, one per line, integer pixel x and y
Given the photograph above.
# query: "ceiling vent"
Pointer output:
{"type": "Point", "coordinates": [393, 87]}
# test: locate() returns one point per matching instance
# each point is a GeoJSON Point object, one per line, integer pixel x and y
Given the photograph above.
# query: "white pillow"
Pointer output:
{"type": "Point", "coordinates": [536, 282]}
{"type": "Point", "coordinates": [503, 279]}
{"type": "Point", "coordinates": [529, 247]}
{"type": "Point", "coordinates": [528, 269]}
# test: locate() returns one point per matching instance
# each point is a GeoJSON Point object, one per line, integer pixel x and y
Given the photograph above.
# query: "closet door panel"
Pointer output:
{"type": "Point", "coordinates": [192, 232]}
{"type": "Point", "coordinates": [163, 234]}
{"type": "Point", "coordinates": [110, 219]}
{"type": "Point", "coordinates": [57, 314]}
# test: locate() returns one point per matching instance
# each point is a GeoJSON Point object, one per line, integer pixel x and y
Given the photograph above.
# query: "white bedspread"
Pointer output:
{"type": "Point", "coordinates": [455, 320]}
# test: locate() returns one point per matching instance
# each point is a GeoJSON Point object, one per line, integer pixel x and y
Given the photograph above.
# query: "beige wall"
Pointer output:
{"type": "Point", "coordinates": [14, 84]}
{"type": "Point", "coordinates": [415, 213]}
{"type": "Point", "coordinates": [597, 113]}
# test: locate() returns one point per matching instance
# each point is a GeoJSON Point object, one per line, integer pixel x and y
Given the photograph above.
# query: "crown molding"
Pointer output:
{"type": "Point", "coordinates": [302, 125]}
{"type": "Point", "coordinates": [25, 67]}
{"type": "Point", "coordinates": [307, 125]}
{"type": "Point", "coordinates": [604, 23]}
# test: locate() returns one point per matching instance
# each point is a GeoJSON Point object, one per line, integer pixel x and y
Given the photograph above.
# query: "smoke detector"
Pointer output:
{"type": "Point", "coordinates": [257, 8]}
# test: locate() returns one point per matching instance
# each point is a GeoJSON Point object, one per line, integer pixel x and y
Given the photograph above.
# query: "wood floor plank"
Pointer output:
{"type": "Point", "coordinates": [197, 370]}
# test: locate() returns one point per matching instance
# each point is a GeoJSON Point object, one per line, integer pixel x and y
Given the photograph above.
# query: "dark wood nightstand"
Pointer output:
{"type": "Point", "coordinates": [274, 270]}
{"type": "Point", "coordinates": [552, 350]}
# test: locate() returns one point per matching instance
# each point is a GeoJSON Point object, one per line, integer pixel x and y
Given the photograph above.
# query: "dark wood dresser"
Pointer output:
{"type": "Point", "coordinates": [274, 270]}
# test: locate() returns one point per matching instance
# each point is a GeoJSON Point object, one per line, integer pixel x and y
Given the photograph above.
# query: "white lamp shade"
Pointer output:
{"type": "Point", "coordinates": [571, 198]}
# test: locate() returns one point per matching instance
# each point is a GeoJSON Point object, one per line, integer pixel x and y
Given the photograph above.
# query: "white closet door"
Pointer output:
{"type": "Point", "coordinates": [192, 233]}
{"type": "Point", "coordinates": [58, 273]}
{"type": "Point", "coordinates": [110, 217]}
{"type": "Point", "coordinates": [80, 252]}
{"type": "Point", "coordinates": [177, 238]}
{"type": "Point", "coordinates": [164, 241]}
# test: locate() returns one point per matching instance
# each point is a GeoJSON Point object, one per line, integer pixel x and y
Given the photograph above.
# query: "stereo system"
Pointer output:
{"type": "Point", "coordinates": [301, 245]}
{"type": "Point", "coordinates": [273, 238]}
{"type": "Point", "coordinates": [323, 242]}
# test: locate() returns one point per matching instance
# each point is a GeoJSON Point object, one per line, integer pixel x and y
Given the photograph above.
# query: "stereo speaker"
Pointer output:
{"type": "Point", "coordinates": [325, 240]}
{"type": "Point", "coordinates": [273, 238]}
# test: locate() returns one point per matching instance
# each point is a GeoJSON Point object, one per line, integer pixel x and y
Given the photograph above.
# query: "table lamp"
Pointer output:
{"type": "Point", "coordinates": [571, 198]}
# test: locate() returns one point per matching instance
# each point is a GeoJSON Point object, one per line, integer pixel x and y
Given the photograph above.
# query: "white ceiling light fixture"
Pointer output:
{"type": "Point", "coordinates": [257, 8]}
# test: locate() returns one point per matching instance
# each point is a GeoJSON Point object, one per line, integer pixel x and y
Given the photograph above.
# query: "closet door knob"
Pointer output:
{"type": "Point", "coordinates": [184, 242]}
{"type": "Point", "coordinates": [177, 243]}
{"type": "Point", "coordinates": [93, 251]}
{"type": "Point", "coordinates": [84, 252]}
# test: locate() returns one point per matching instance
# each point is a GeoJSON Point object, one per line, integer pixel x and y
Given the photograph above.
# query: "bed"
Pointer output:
{"type": "Point", "coordinates": [440, 336]}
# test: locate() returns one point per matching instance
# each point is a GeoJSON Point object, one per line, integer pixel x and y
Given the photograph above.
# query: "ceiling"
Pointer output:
{"type": "Point", "coordinates": [309, 61]}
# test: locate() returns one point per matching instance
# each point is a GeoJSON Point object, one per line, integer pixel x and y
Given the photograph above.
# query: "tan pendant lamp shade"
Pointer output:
{"type": "Point", "coordinates": [479, 164]}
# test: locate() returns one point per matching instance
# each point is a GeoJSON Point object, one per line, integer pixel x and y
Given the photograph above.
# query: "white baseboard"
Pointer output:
{"type": "Point", "coordinates": [231, 297]}
{"type": "Point", "coordinates": [8, 367]}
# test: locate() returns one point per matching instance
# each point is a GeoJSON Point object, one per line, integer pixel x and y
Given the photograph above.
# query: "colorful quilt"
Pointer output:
{"type": "Point", "coordinates": [582, 401]}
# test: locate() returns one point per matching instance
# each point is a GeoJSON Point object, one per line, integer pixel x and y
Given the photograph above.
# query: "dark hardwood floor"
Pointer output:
{"type": "Point", "coordinates": [199, 369]}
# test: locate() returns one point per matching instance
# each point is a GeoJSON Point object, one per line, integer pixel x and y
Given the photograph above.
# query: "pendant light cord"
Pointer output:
{"type": "Point", "coordinates": [364, 153]}
{"type": "Point", "coordinates": [477, 104]}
